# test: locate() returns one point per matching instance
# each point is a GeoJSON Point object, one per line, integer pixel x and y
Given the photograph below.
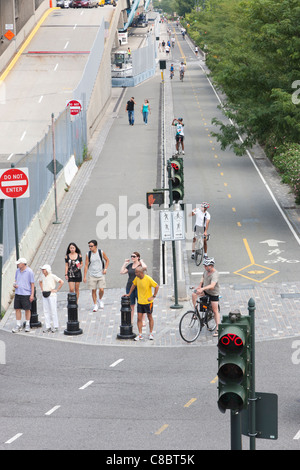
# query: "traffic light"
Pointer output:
{"type": "Point", "coordinates": [234, 341]}
{"type": "Point", "coordinates": [177, 178]}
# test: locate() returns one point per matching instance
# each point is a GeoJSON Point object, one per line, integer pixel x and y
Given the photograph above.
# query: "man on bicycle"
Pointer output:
{"type": "Point", "coordinates": [181, 70]}
{"type": "Point", "coordinates": [209, 285]}
{"type": "Point", "coordinates": [179, 133]}
{"type": "Point", "coordinates": [172, 71]}
{"type": "Point", "coordinates": [201, 225]}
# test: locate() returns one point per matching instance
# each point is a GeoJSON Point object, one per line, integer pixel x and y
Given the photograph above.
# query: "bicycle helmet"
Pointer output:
{"type": "Point", "coordinates": [209, 262]}
{"type": "Point", "coordinates": [205, 205]}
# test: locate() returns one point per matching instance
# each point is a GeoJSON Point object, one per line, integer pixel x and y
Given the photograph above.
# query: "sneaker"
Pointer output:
{"type": "Point", "coordinates": [138, 338]}
{"type": "Point", "coordinates": [95, 308]}
{"type": "Point", "coordinates": [101, 304]}
{"type": "Point", "coordinates": [17, 329]}
{"type": "Point", "coordinates": [182, 152]}
{"type": "Point", "coordinates": [54, 329]}
{"type": "Point", "coordinates": [193, 256]}
{"type": "Point", "coordinates": [46, 330]}
{"type": "Point", "coordinates": [27, 328]}
{"type": "Point", "coordinates": [151, 336]}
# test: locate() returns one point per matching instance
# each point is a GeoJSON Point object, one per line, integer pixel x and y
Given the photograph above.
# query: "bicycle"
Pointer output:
{"type": "Point", "coordinates": [199, 246]}
{"type": "Point", "coordinates": [192, 322]}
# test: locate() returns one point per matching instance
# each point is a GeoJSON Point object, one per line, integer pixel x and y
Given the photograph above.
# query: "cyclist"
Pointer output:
{"type": "Point", "coordinates": [173, 41]}
{"type": "Point", "coordinates": [209, 285]}
{"type": "Point", "coordinates": [201, 225]}
{"type": "Point", "coordinates": [179, 133]}
{"type": "Point", "coordinates": [181, 71]}
{"type": "Point", "coordinates": [172, 71]}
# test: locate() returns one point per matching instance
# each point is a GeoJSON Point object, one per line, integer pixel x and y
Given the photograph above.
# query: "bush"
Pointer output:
{"type": "Point", "coordinates": [287, 160]}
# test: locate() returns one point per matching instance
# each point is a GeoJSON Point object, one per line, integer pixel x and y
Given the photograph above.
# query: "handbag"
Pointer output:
{"type": "Point", "coordinates": [46, 293]}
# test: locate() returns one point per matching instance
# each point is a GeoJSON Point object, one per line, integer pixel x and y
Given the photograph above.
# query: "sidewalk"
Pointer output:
{"type": "Point", "coordinates": [277, 306]}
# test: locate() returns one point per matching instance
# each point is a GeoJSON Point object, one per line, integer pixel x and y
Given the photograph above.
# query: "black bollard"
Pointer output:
{"type": "Point", "coordinates": [126, 326]}
{"type": "Point", "coordinates": [72, 323]}
{"type": "Point", "coordinates": [34, 318]}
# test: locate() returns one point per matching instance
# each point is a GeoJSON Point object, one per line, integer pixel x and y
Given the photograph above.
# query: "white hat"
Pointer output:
{"type": "Point", "coordinates": [21, 260]}
{"type": "Point", "coordinates": [47, 267]}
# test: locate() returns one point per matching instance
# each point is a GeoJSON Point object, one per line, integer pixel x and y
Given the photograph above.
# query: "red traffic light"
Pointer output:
{"type": "Point", "coordinates": [231, 342]}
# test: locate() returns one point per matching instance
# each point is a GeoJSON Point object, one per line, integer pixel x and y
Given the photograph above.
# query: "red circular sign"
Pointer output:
{"type": "Point", "coordinates": [75, 107]}
{"type": "Point", "coordinates": [14, 183]}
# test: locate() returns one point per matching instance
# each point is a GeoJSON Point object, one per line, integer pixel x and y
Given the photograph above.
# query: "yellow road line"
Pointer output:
{"type": "Point", "coordinates": [214, 380]}
{"type": "Point", "coordinates": [192, 400]}
{"type": "Point", "coordinates": [25, 44]}
{"type": "Point", "coordinates": [165, 426]}
{"type": "Point", "coordinates": [248, 251]}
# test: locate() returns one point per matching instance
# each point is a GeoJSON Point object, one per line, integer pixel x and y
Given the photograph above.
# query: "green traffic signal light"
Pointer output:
{"type": "Point", "coordinates": [177, 178]}
{"type": "Point", "coordinates": [234, 362]}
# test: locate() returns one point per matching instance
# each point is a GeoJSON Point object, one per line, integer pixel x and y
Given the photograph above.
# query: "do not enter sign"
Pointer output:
{"type": "Point", "coordinates": [14, 183]}
{"type": "Point", "coordinates": [74, 106]}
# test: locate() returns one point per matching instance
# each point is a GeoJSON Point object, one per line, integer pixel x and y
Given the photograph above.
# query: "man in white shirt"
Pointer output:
{"type": "Point", "coordinates": [201, 226]}
{"type": "Point", "coordinates": [96, 264]}
{"type": "Point", "coordinates": [48, 287]}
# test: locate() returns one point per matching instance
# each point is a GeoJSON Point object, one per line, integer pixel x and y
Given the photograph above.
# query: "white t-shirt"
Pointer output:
{"type": "Point", "coordinates": [49, 281]}
{"type": "Point", "coordinates": [201, 217]}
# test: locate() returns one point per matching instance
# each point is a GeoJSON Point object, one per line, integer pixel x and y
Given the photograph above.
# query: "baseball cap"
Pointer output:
{"type": "Point", "coordinates": [21, 260]}
{"type": "Point", "coordinates": [47, 267]}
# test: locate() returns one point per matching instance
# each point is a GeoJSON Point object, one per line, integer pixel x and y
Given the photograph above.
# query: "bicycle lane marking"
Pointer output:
{"type": "Point", "coordinates": [253, 269]}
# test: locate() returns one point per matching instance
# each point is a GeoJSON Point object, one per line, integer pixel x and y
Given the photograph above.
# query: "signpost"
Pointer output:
{"type": "Point", "coordinates": [14, 183]}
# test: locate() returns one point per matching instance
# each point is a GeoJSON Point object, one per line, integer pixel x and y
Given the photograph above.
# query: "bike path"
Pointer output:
{"type": "Point", "coordinates": [277, 304]}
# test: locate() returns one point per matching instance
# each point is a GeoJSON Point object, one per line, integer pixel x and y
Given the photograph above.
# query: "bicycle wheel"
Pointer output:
{"type": "Point", "coordinates": [198, 256]}
{"type": "Point", "coordinates": [189, 326]}
{"type": "Point", "coordinates": [210, 319]}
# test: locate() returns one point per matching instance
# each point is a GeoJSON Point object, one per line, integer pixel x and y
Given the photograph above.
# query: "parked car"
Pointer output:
{"type": "Point", "coordinates": [84, 4]}
{"type": "Point", "coordinates": [64, 3]}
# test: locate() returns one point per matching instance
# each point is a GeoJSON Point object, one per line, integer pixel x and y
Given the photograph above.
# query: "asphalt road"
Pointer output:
{"type": "Point", "coordinates": [64, 396]}
{"type": "Point", "coordinates": [44, 77]}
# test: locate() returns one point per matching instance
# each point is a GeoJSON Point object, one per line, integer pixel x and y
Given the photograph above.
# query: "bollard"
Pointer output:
{"type": "Point", "coordinates": [34, 318]}
{"type": "Point", "coordinates": [72, 323]}
{"type": "Point", "coordinates": [126, 326]}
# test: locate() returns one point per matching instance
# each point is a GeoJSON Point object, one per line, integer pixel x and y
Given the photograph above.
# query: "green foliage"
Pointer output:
{"type": "Point", "coordinates": [287, 160]}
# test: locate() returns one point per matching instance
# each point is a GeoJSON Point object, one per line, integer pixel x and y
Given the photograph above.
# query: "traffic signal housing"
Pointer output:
{"type": "Point", "coordinates": [234, 365]}
{"type": "Point", "coordinates": [177, 178]}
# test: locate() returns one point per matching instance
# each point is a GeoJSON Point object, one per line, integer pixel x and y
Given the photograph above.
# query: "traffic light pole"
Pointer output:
{"type": "Point", "coordinates": [176, 304]}
{"type": "Point", "coordinates": [235, 430]}
{"type": "Point", "coordinates": [252, 398]}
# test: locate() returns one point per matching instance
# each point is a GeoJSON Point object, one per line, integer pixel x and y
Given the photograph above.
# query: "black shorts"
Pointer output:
{"type": "Point", "coordinates": [22, 302]}
{"type": "Point", "coordinates": [145, 308]}
{"type": "Point", "coordinates": [212, 298]}
{"type": "Point", "coordinates": [179, 136]}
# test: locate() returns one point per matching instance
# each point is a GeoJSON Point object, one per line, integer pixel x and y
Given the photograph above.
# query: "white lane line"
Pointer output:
{"type": "Point", "coordinates": [297, 436]}
{"type": "Point", "coordinates": [66, 45]}
{"type": "Point", "coordinates": [10, 156]}
{"type": "Point", "coordinates": [14, 438]}
{"type": "Point", "coordinates": [55, 68]}
{"type": "Point", "coordinates": [41, 97]}
{"type": "Point", "coordinates": [75, 26]}
{"type": "Point", "coordinates": [23, 135]}
{"type": "Point", "coordinates": [86, 385]}
{"type": "Point", "coordinates": [52, 410]}
{"type": "Point", "coordinates": [114, 364]}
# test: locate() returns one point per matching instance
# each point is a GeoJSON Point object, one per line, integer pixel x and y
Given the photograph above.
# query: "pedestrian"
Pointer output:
{"type": "Point", "coordinates": [145, 110]}
{"type": "Point", "coordinates": [209, 285]}
{"type": "Point", "coordinates": [163, 45]}
{"type": "Point", "coordinates": [129, 52]}
{"type": "Point", "coordinates": [96, 264]}
{"type": "Point", "coordinates": [24, 294]}
{"type": "Point", "coordinates": [130, 109]}
{"type": "Point", "coordinates": [73, 265]}
{"type": "Point", "coordinates": [201, 226]}
{"type": "Point", "coordinates": [129, 268]}
{"type": "Point", "coordinates": [48, 287]}
{"type": "Point", "coordinates": [144, 283]}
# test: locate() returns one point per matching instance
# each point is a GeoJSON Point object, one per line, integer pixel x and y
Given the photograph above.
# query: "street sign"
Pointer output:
{"type": "Point", "coordinates": [172, 225]}
{"type": "Point", "coordinates": [154, 198]}
{"type": "Point", "coordinates": [14, 183]}
{"type": "Point", "coordinates": [75, 107]}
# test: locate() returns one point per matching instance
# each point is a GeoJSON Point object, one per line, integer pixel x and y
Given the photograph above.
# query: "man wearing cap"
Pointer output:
{"type": "Point", "coordinates": [24, 293]}
{"type": "Point", "coordinates": [48, 287]}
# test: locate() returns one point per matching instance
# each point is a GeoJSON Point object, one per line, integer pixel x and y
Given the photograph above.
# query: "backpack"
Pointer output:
{"type": "Point", "coordinates": [100, 256]}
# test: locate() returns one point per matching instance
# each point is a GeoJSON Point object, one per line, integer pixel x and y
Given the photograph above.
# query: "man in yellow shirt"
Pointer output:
{"type": "Point", "coordinates": [144, 284]}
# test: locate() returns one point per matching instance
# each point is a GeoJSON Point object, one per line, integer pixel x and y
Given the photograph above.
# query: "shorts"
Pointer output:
{"type": "Point", "coordinates": [22, 302]}
{"type": "Point", "coordinates": [133, 295]}
{"type": "Point", "coordinates": [96, 282]}
{"type": "Point", "coordinates": [145, 308]}
{"type": "Point", "coordinates": [181, 137]}
{"type": "Point", "coordinates": [212, 298]}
